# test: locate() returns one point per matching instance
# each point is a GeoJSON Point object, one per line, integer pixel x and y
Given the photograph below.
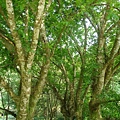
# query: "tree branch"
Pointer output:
{"type": "Point", "coordinates": [2, 13]}
{"type": "Point", "coordinates": [85, 92]}
{"type": "Point", "coordinates": [56, 93]}
{"type": "Point", "coordinates": [12, 25]}
{"type": "Point", "coordinates": [9, 112]}
{"type": "Point", "coordinates": [7, 43]}
{"type": "Point", "coordinates": [48, 5]}
{"type": "Point", "coordinates": [26, 21]}
{"type": "Point", "coordinates": [116, 46]}
{"type": "Point", "coordinates": [37, 25]}
{"type": "Point", "coordinates": [58, 40]}
{"type": "Point", "coordinates": [8, 89]}
{"type": "Point", "coordinates": [112, 26]}
{"type": "Point", "coordinates": [92, 23]}
{"type": "Point", "coordinates": [107, 101]}
{"type": "Point", "coordinates": [37, 89]}
{"type": "Point", "coordinates": [116, 67]}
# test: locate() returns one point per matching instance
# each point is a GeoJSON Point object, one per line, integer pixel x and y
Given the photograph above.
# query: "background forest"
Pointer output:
{"type": "Point", "coordinates": [60, 59]}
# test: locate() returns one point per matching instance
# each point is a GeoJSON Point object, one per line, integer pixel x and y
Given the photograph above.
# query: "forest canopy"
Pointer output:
{"type": "Point", "coordinates": [60, 59]}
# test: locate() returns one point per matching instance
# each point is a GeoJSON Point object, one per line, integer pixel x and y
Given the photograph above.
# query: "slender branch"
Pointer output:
{"type": "Point", "coordinates": [116, 67]}
{"type": "Point", "coordinates": [110, 70]}
{"type": "Point", "coordinates": [4, 16]}
{"type": "Point", "coordinates": [111, 60]}
{"type": "Point", "coordinates": [59, 3]}
{"type": "Point", "coordinates": [56, 93]}
{"type": "Point", "coordinates": [37, 89]}
{"type": "Point", "coordinates": [48, 5]}
{"type": "Point", "coordinates": [26, 20]}
{"type": "Point", "coordinates": [58, 40]}
{"type": "Point", "coordinates": [58, 66]}
{"type": "Point", "coordinates": [9, 112]}
{"type": "Point", "coordinates": [7, 43]}
{"type": "Point", "coordinates": [85, 92]}
{"type": "Point", "coordinates": [2, 100]}
{"type": "Point", "coordinates": [6, 86]}
{"type": "Point", "coordinates": [65, 73]}
{"type": "Point", "coordinates": [77, 45]}
{"type": "Point", "coordinates": [66, 79]}
{"type": "Point", "coordinates": [92, 23]}
{"type": "Point", "coordinates": [71, 84]}
{"type": "Point", "coordinates": [103, 18]}
{"type": "Point", "coordinates": [108, 73]}
{"type": "Point", "coordinates": [107, 101]}
{"type": "Point", "coordinates": [112, 26]}
{"type": "Point", "coordinates": [116, 46]}
{"type": "Point", "coordinates": [85, 34]}
{"type": "Point", "coordinates": [63, 70]}
{"type": "Point", "coordinates": [73, 65]}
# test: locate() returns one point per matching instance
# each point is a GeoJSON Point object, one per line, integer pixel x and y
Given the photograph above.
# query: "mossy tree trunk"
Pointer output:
{"type": "Point", "coordinates": [28, 94]}
{"type": "Point", "coordinates": [104, 66]}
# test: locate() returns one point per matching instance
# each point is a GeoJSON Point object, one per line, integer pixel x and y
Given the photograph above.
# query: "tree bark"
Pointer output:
{"type": "Point", "coordinates": [95, 113]}
{"type": "Point", "coordinates": [23, 107]}
{"type": "Point", "coordinates": [25, 110]}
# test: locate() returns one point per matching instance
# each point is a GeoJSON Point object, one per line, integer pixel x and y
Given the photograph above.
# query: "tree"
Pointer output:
{"type": "Point", "coordinates": [92, 49]}
{"type": "Point", "coordinates": [106, 55]}
{"type": "Point", "coordinates": [80, 38]}
{"type": "Point", "coordinates": [22, 31]}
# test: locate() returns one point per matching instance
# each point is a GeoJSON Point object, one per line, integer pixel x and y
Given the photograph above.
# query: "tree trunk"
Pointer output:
{"type": "Point", "coordinates": [95, 113]}
{"type": "Point", "coordinates": [69, 118]}
{"type": "Point", "coordinates": [94, 105]}
{"type": "Point", "coordinates": [79, 114]}
{"type": "Point", "coordinates": [23, 107]}
{"type": "Point", "coordinates": [32, 107]}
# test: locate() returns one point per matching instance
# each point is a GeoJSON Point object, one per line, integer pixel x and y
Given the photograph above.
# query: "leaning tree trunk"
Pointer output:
{"type": "Point", "coordinates": [37, 89]}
